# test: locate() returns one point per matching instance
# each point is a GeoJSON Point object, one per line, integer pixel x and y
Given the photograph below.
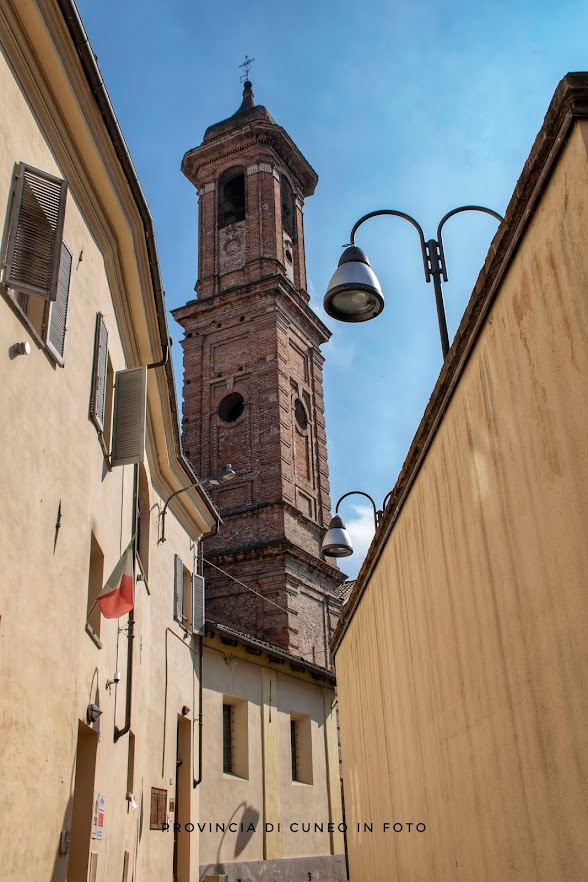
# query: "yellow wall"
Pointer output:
{"type": "Point", "coordinates": [50, 668]}
{"type": "Point", "coordinates": [462, 674]}
{"type": "Point", "coordinates": [268, 795]}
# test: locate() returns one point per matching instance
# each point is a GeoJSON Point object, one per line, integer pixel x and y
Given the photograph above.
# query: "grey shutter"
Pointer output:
{"type": "Point", "coordinates": [36, 228]}
{"type": "Point", "coordinates": [99, 374]}
{"type": "Point", "coordinates": [197, 603]}
{"type": "Point", "coordinates": [58, 310]}
{"type": "Point", "coordinates": [130, 404]}
{"type": "Point", "coordinates": [178, 588]}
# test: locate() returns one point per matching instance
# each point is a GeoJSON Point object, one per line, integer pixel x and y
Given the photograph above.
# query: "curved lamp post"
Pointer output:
{"type": "Point", "coordinates": [337, 542]}
{"type": "Point", "coordinates": [226, 474]}
{"type": "Point", "coordinates": [354, 293]}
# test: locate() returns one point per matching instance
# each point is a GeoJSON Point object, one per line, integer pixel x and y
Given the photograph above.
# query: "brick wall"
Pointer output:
{"type": "Point", "coordinates": [253, 397]}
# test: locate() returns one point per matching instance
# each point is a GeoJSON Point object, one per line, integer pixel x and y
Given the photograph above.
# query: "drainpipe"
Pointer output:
{"type": "Point", "coordinates": [198, 781]}
{"type": "Point", "coordinates": [118, 733]}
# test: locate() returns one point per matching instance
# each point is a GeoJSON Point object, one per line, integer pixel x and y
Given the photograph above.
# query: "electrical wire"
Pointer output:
{"type": "Point", "coordinates": [243, 585]}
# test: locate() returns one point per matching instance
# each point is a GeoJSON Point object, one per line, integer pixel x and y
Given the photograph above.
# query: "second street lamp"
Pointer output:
{"type": "Point", "coordinates": [337, 542]}
{"type": "Point", "coordinates": [354, 293]}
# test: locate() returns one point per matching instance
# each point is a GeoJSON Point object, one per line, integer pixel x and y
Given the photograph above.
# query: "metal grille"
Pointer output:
{"type": "Point", "coordinates": [294, 745]}
{"type": "Point", "coordinates": [228, 739]}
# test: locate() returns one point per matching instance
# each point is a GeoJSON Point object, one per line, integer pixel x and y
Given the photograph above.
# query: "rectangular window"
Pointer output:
{"type": "Point", "coordinates": [228, 739]}
{"type": "Point", "coordinates": [188, 598]}
{"type": "Point", "coordinates": [45, 319]}
{"type": "Point", "coordinates": [235, 736]}
{"type": "Point", "coordinates": [158, 815]}
{"type": "Point", "coordinates": [294, 748]}
{"type": "Point", "coordinates": [301, 748]}
{"type": "Point", "coordinates": [95, 585]}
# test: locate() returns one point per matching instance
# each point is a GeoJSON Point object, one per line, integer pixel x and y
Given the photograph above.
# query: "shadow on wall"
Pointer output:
{"type": "Point", "coordinates": [247, 825]}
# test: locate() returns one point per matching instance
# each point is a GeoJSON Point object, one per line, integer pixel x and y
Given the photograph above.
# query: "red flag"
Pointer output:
{"type": "Point", "coordinates": [117, 596]}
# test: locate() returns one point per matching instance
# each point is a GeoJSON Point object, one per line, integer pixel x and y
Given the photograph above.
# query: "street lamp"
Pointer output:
{"type": "Point", "coordinates": [226, 474]}
{"type": "Point", "coordinates": [354, 293]}
{"type": "Point", "coordinates": [337, 542]}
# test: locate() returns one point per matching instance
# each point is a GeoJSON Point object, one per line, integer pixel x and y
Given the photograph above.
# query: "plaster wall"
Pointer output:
{"type": "Point", "coordinates": [52, 461]}
{"type": "Point", "coordinates": [462, 672]}
{"type": "Point", "coordinates": [268, 796]}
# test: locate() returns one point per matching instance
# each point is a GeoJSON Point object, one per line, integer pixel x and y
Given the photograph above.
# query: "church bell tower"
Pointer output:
{"type": "Point", "coordinates": [253, 391]}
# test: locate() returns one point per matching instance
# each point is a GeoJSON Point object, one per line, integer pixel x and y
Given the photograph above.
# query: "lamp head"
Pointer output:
{"type": "Point", "coordinates": [337, 542]}
{"type": "Point", "coordinates": [222, 477]}
{"type": "Point", "coordinates": [354, 293]}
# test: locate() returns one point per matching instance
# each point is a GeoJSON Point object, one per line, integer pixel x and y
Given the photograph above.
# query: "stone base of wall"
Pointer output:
{"type": "Point", "coordinates": [322, 868]}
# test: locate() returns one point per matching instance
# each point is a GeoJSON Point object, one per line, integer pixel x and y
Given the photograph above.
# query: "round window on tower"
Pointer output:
{"type": "Point", "coordinates": [300, 414]}
{"type": "Point", "coordinates": [231, 407]}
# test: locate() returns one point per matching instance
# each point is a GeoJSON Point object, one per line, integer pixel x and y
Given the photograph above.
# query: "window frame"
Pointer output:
{"type": "Point", "coordinates": [23, 306]}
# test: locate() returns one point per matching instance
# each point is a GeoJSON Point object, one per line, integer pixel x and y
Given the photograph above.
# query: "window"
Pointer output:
{"type": "Point", "coordinates": [228, 739]}
{"type": "Point", "coordinates": [47, 319]}
{"type": "Point", "coordinates": [288, 206]}
{"type": "Point", "coordinates": [98, 412]}
{"type": "Point", "coordinates": [235, 737]}
{"type": "Point", "coordinates": [95, 584]}
{"type": "Point", "coordinates": [33, 251]}
{"type": "Point", "coordinates": [231, 197]}
{"type": "Point", "coordinates": [301, 748]}
{"type": "Point", "coordinates": [231, 407]}
{"type": "Point", "coordinates": [127, 417]}
{"type": "Point", "coordinates": [300, 414]}
{"type": "Point", "coordinates": [129, 420]}
{"type": "Point", "coordinates": [188, 598]}
{"type": "Point", "coordinates": [158, 808]}
{"type": "Point", "coordinates": [294, 748]}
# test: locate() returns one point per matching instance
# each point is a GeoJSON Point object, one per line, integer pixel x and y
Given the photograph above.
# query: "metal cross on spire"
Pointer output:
{"type": "Point", "coordinates": [246, 67]}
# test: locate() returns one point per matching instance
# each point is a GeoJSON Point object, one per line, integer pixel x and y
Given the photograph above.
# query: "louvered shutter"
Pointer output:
{"type": "Point", "coordinates": [36, 229]}
{"type": "Point", "coordinates": [178, 588]}
{"type": "Point", "coordinates": [130, 402]}
{"type": "Point", "coordinates": [197, 603]}
{"type": "Point", "coordinates": [58, 309]}
{"type": "Point", "coordinates": [99, 374]}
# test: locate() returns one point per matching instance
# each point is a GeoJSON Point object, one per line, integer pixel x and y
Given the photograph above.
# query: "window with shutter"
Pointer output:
{"type": "Point", "coordinates": [33, 250]}
{"type": "Point", "coordinates": [158, 814]}
{"type": "Point", "coordinates": [178, 589]}
{"type": "Point", "coordinates": [46, 319]}
{"type": "Point", "coordinates": [56, 325]}
{"type": "Point", "coordinates": [197, 604]}
{"type": "Point", "coordinates": [130, 405]}
{"type": "Point", "coordinates": [99, 373]}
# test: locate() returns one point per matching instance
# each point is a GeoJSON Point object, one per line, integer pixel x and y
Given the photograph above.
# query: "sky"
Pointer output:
{"type": "Point", "coordinates": [417, 107]}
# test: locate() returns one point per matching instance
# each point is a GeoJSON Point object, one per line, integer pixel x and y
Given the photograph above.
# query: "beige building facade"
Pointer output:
{"type": "Point", "coordinates": [99, 717]}
{"type": "Point", "coordinates": [461, 654]}
{"type": "Point", "coordinates": [270, 796]}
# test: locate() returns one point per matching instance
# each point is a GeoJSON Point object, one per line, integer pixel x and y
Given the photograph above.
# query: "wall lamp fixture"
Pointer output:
{"type": "Point", "coordinates": [354, 293]}
{"type": "Point", "coordinates": [337, 542]}
{"type": "Point", "coordinates": [225, 474]}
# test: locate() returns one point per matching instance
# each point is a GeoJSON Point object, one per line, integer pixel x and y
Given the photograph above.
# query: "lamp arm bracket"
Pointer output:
{"type": "Point", "coordinates": [359, 493]}
{"type": "Point", "coordinates": [450, 214]}
{"type": "Point", "coordinates": [407, 217]}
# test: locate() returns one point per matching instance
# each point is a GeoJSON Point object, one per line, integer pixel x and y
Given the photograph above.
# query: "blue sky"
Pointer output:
{"type": "Point", "coordinates": [415, 107]}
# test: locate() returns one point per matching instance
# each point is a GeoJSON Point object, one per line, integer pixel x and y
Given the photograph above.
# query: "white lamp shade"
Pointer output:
{"type": "Point", "coordinates": [354, 293]}
{"type": "Point", "coordinates": [337, 542]}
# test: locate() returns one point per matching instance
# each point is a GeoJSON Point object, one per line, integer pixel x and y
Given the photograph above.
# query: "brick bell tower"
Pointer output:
{"type": "Point", "coordinates": [253, 391]}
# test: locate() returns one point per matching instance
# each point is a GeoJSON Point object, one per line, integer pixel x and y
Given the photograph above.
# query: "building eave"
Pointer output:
{"type": "Point", "coordinates": [177, 471]}
{"type": "Point", "coordinates": [274, 653]}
